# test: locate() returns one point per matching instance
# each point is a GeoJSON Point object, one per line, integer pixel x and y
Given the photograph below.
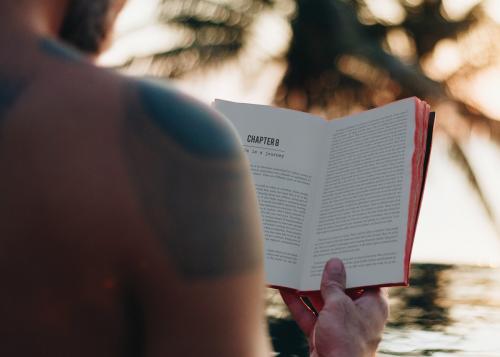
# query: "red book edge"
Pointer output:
{"type": "Point", "coordinates": [418, 181]}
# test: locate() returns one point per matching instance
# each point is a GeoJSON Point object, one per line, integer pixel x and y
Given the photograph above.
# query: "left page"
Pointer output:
{"type": "Point", "coordinates": [283, 148]}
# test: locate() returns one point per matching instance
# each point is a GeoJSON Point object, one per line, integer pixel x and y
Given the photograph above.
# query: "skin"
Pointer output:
{"type": "Point", "coordinates": [209, 166]}
{"type": "Point", "coordinates": [343, 327]}
{"type": "Point", "coordinates": [129, 221]}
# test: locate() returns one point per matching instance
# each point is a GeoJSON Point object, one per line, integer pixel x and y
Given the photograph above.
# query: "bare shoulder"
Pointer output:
{"type": "Point", "coordinates": [184, 162]}
{"type": "Point", "coordinates": [190, 173]}
{"type": "Point", "coordinates": [195, 190]}
{"type": "Point", "coordinates": [74, 80]}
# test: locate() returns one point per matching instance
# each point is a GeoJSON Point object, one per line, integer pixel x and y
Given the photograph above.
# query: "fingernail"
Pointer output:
{"type": "Point", "coordinates": [335, 267]}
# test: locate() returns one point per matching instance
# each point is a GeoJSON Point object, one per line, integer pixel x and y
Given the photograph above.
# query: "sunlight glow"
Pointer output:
{"type": "Point", "coordinates": [492, 9]}
{"type": "Point", "coordinates": [486, 92]}
{"type": "Point", "coordinates": [485, 154]}
{"type": "Point", "coordinates": [401, 44]}
{"type": "Point", "coordinates": [141, 43]}
{"type": "Point", "coordinates": [453, 227]}
{"type": "Point", "coordinates": [272, 35]}
{"type": "Point", "coordinates": [444, 61]}
{"type": "Point", "coordinates": [136, 14]}
{"type": "Point", "coordinates": [388, 11]}
{"type": "Point", "coordinates": [458, 9]}
{"type": "Point", "coordinates": [133, 35]}
{"type": "Point", "coordinates": [413, 3]}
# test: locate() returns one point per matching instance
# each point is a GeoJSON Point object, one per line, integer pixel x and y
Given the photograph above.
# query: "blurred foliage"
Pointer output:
{"type": "Point", "coordinates": [213, 32]}
{"type": "Point", "coordinates": [346, 55]}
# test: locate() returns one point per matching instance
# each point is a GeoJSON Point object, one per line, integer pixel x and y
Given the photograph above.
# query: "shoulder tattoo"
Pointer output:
{"type": "Point", "coordinates": [10, 91]}
{"type": "Point", "coordinates": [187, 171]}
{"type": "Point", "coordinates": [58, 50]}
{"type": "Point", "coordinates": [187, 122]}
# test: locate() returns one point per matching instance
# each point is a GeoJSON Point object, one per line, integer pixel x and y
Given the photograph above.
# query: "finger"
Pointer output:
{"type": "Point", "coordinates": [374, 295]}
{"type": "Point", "coordinates": [385, 293]}
{"type": "Point", "coordinates": [333, 280]}
{"type": "Point", "coordinates": [302, 314]}
{"type": "Point", "coordinates": [374, 305]}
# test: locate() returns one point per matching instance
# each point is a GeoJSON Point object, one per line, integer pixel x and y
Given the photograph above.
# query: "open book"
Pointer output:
{"type": "Point", "coordinates": [348, 188]}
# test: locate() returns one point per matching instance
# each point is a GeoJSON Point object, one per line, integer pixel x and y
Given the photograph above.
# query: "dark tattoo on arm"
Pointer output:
{"type": "Point", "coordinates": [187, 122]}
{"type": "Point", "coordinates": [58, 50]}
{"type": "Point", "coordinates": [10, 91]}
{"type": "Point", "coordinates": [11, 88]}
{"type": "Point", "coordinates": [194, 189]}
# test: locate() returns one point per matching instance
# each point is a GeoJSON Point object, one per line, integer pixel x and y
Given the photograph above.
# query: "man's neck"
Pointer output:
{"type": "Point", "coordinates": [24, 23]}
{"type": "Point", "coordinates": [31, 17]}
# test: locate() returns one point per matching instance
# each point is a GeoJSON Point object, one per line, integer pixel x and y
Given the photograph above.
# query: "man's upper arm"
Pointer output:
{"type": "Point", "coordinates": [192, 180]}
{"type": "Point", "coordinates": [193, 183]}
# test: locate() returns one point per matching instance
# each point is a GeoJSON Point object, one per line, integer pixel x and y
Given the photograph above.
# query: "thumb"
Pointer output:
{"type": "Point", "coordinates": [334, 280]}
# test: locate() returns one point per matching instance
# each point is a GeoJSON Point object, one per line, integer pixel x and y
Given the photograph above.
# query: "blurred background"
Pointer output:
{"type": "Point", "coordinates": [336, 57]}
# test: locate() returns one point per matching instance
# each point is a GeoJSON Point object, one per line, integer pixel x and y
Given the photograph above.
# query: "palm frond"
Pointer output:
{"type": "Point", "coordinates": [216, 31]}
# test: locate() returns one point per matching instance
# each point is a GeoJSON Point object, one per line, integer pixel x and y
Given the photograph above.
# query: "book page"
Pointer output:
{"type": "Point", "coordinates": [362, 209]}
{"type": "Point", "coordinates": [282, 147]}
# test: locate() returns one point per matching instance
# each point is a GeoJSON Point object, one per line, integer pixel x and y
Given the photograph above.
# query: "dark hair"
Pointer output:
{"type": "Point", "coordinates": [86, 24]}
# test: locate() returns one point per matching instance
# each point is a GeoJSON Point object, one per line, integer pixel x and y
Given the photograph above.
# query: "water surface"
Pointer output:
{"type": "Point", "coordinates": [448, 310]}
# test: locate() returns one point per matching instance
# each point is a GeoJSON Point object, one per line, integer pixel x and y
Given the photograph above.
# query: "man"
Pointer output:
{"type": "Point", "coordinates": [128, 221]}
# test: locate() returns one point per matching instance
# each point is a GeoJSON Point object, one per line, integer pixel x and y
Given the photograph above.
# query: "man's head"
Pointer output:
{"type": "Point", "coordinates": [88, 23]}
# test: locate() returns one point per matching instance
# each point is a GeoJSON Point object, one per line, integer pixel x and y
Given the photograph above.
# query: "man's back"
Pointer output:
{"type": "Point", "coordinates": [128, 222]}
{"type": "Point", "coordinates": [126, 216]}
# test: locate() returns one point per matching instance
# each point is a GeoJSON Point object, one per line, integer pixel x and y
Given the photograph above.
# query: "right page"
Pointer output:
{"type": "Point", "coordinates": [366, 193]}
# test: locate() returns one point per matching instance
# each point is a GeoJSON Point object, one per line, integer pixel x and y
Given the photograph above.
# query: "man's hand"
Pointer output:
{"type": "Point", "coordinates": [343, 328]}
